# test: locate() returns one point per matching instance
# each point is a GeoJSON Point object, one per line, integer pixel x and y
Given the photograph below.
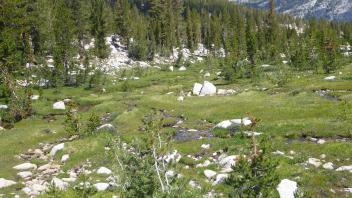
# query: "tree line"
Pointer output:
{"type": "Point", "coordinates": [35, 31]}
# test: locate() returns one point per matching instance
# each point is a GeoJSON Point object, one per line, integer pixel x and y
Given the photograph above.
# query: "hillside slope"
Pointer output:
{"type": "Point", "coordinates": [328, 9]}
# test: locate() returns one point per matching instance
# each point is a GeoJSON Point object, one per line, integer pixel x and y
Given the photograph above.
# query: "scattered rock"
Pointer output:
{"type": "Point", "coordinates": [58, 183]}
{"type": "Point", "coordinates": [182, 68]}
{"type": "Point", "coordinates": [209, 174]}
{"type": "Point", "coordinates": [344, 168]}
{"type": "Point", "coordinates": [194, 184]}
{"type": "Point", "coordinates": [197, 87]}
{"type": "Point", "coordinates": [34, 97]}
{"type": "Point", "coordinates": [69, 180]}
{"type": "Point", "coordinates": [25, 166]}
{"type": "Point", "coordinates": [330, 78]}
{"type": "Point", "coordinates": [180, 98]}
{"type": "Point", "coordinates": [6, 183]}
{"type": "Point", "coordinates": [220, 178]}
{"type": "Point", "coordinates": [25, 174]}
{"type": "Point", "coordinates": [59, 105]}
{"type": "Point", "coordinates": [229, 161]}
{"type": "Point", "coordinates": [207, 75]}
{"type": "Point", "coordinates": [104, 171]}
{"type": "Point", "coordinates": [315, 162]}
{"type": "Point", "coordinates": [251, 133]}
{"type": "Point", "coordinates": [171, 68]}
{"type": "Point", "coordinates": [328, 166]}
{"type": "Point", "coordinates": [107, 127]}
{"type": "Point", "coordinates": [205, 146]}
{"type": "Point", "coordinates": [65, 157]}
{"type": "Point", "coordinates": [101, 186]}
{"type": "Point", "coordinates": [57, 148]}
{"type": "Point", "coordinates": [349, 190]}
{"type": "Point", "coordinates": [172, 157]}
{"type": "Point", "coordinates": [278, 152]}
{"type": "Point", "coordinates": [3, 106]}
{"type": "Point", "coordinates": [204, 164]}
{"type": "Point", "coordinates": [208, 89]}
{"type": "Point", "coordinates": [287, 188]}
{"type": "Point", "coordinates": [234, 122]}
{"type": "Point", "coordinates": [321, 141]}
{"type": "Point", "coordinates": [170, 173]}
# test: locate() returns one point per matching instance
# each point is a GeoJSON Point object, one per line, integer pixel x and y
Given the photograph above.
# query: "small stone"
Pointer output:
{"type": "Point", "coordinates": [344, 168]}
{"type": "Point", "coordinates": [170, 173]}
{"type": "Point", "coordinates": [34, 97]}
{"type": "Point", "coordinates": [2, 106]}
{"type": "Point", "coordinates": [24, 174]}
{"type": "Point", "coordinates": [101, 186]}
{"type": "Point", "coordinates": [65, 157]}
{"type": "Point", "coordinates": [6, 183]}
{"type": "Point", "coordinates": [321, 141]}
{"type": "Point", "coordinates": [287, 188]}
{"type": "Point", "coordinates": [107, 127]}
{"type": "Point", "coordinates": [182, 68]}
{"type": "Point", "coordinates": [57, 148]}
{"type": "Point", "coordinates": [60, 105]}
{"type": "Point", "coordinates": [220, 178]}
{"type": "Point", "coordinates": [180, 98]}
{"type": "Point", "coordinates": [58, 183]}
{"type": "Point", "coordinates": [315, 162]}
{"type": "Point", "coordinates": [328, 166]}
{"type": "Point", "coordinates": [104, 170]}
{"type": "Point", "coordinates": [205, 146]}
{"type": "Point", "coordinates": [25, 166]}
{"type": "Point", "coordinates": [209, 174]}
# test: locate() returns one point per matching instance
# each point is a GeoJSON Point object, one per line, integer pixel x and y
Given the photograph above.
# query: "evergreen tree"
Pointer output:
{"type": "Point", "coordinates": [98, 28]}
{"type": "Point", "coordinates": [63, 50]}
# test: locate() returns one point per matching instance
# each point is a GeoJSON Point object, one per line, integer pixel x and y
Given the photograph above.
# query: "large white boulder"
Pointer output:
{"type": "Point", "coordinates": [6, 183]}
{"type": "Point", "coordinates": [104, 171]}
{"type": "Point", "coordinates": [209, 174]}
{"type": "Point", "coordinates": [25, 166]}
{"type": "Point", "coordinates": [57, 148]}
{"type": "Point", "coordinates": [287, 188]}
{"type": "Point", "coordinates": [208, 89]}
{"type": "Point", "coordinates": [101, 186]}
{"type": "Point", "coordinates": [197, 87]}
{"type": "Point", "coordinates": [60, 105]}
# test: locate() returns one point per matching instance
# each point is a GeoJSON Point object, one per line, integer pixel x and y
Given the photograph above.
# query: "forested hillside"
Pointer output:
{"type": "Point", "coordinates": [101, 98]}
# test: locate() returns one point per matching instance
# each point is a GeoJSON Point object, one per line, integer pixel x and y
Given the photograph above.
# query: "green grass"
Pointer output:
{"type": "Point", "coordinates": [285, 112]}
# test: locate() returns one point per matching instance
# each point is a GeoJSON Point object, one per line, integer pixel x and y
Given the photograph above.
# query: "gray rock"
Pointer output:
{"type": "Point", "coordinates": [25, 166]}
{"type": "Point", "coordinates": [101, 186]}
{"type": "Point", "coordinates": [60, 105]}
{"type": "Point", "coordinates": [57, 148]}
{"type": "Point", "coordinates": [107, 127]}
{"type": "Point", "coordinates": [6, 183]}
